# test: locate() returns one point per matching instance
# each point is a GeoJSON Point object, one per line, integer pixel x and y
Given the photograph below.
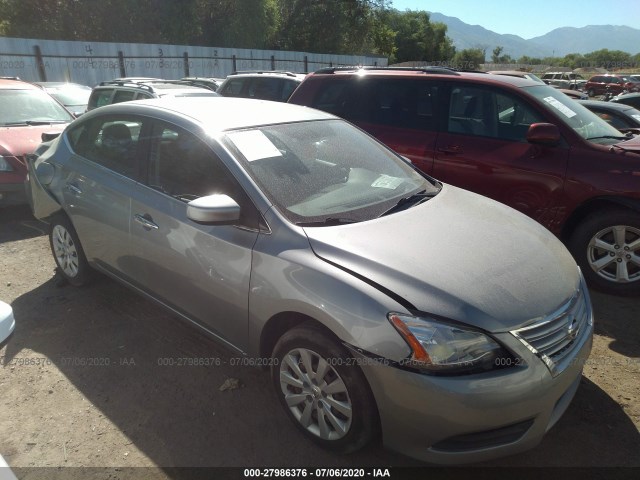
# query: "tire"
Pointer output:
{"type": "Point", "coordinates": [607, 248]}
{"type": "Point", "coordinates": [591, 92]}
{"type": "Point", "coordinates": [336, 411]}
{"type": "Point", "coordinates": [67, 252]}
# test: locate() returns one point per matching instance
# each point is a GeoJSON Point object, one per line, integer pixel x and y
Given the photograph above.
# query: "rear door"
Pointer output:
{"type": "Point", "coordinates": [98, 183]}
{"type": "Point", "coordinates": [201, 271]}
{"type": "Point", "coordinates": [484, 149]}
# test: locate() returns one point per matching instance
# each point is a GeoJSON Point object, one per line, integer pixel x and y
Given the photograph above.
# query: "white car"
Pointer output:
{"type": "Point", "coordinates": [7, 322]}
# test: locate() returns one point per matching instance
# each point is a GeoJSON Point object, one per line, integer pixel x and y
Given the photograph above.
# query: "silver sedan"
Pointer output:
{"type": "Point", "coordinates": [383, 301]}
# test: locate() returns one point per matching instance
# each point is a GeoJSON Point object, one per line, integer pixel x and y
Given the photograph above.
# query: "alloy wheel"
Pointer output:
{"type": "Point", "coordinates": [614, 254]}
{"type": "Point", "coordinates": [65, 251]}
{"type": "Point", "coordinates": [315, 394]}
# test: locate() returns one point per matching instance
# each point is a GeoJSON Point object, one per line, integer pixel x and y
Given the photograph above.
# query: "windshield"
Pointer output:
{"type": "Point", "coordinates": [22, 107]}
{"type": "Point", "coordinates": [325, 171]}
{"type": "Point", "coordinates": [70, 95]}
{"type": "Point", "coordinates": [583, 121]}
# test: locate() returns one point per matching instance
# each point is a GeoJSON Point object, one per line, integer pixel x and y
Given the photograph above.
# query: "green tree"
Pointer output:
{"type": "Point", "coordinates": [495, 56]}
{"type": "Point", "coordinates": [417, 39]}
{"type": "Point", "coordinates": [469, 59]}
{"type": "Point", "coordinates": [526, 60]}
{"type": "Point", "coordinates": [609, 59]}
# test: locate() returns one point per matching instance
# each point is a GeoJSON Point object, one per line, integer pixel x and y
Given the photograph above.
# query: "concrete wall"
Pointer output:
{"type": "Point", "coordinates": [90, 63]}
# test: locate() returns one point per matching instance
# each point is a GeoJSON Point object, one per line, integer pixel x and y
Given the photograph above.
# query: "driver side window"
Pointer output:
{"type": "Point", "coordinates": [183, 166]}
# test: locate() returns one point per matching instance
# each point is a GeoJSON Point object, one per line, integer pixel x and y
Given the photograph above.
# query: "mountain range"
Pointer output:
{"type": "Point", "coordinates": [558, 42]}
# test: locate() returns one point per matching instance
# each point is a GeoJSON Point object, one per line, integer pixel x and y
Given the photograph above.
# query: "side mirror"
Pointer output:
{"type": "Point", "coordinates": [214, 209]}
{"type": "Point", "coordinates": [543, 134]}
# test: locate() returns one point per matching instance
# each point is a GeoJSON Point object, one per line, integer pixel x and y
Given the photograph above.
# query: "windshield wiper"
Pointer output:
{"type": "Point", "coordinates": [327, 222]}
{"type": "Point", "coordinates": [613, 137]}
{"type": "Point", "coordinates": [33, 122]}
{"type": "Point", "coordinates": [410, 201]}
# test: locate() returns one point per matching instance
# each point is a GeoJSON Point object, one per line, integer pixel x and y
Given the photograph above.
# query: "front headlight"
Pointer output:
{"type": "Point", "coordinates": [5, 166]}
{"type": "Point", "coordinates": [438, 347]}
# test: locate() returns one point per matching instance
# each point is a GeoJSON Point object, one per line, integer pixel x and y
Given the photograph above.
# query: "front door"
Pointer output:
{"type": "Point", "coordinates": [202, 271]}
{"type": "Point", "coordinates": [484, 149]}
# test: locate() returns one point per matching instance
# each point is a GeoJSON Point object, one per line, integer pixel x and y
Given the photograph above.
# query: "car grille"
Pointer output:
{"type": "Point", "coordinates": [554, 337]}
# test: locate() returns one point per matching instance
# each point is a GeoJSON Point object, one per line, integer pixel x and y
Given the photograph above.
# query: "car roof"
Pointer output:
{"type": "Point", "coordinates": [627, 95]}
{"type": "Point", "coordinates": [62, 85]}
{"type": "Point", "coordinates": [606, 105]}
{"type": "Point", "coordinates": [218, 114]}
{"type": "Point", "coordinates": [16, 84]}
{"type": "Point", "coordinates": [161, 87]}
{"type": "Point", "coordinates": [262, 73]}
{"type": "Point", "coordinates": [430, 72]}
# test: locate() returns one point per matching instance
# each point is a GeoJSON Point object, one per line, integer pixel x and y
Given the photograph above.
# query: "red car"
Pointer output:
{"type": "Point", "coordinates": [613, 84]}
{"type": "Point", "coordinates": [26, 112]}
{"type": "Point", "coordinates": [522, 143]}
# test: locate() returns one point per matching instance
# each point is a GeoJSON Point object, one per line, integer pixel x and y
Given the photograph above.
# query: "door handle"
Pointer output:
{"type": "Point", "coordinates": [450, 150]}
{"type": "Point", "coordinates": [73, 189]}
{"type": "Point", "coordinates": [145, 221]}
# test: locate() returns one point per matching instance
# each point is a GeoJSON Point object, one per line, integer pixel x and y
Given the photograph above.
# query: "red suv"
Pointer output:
{"type": "Point", "coordinates": [26, 112]}
{"type": "Point", "coordinates": [614, 84]}
{"type": "Point", "coordinates": [522, 143]}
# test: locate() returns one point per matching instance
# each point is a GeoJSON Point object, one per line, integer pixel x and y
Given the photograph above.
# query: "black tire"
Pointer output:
{"type": "Point", "coordinates": [357, 429]}
{"type": "Point", "coordinates": [591, 92]}
{"type": "Point", "coordinates": [68, 253]}
{"type": "Point", "coordinates": [604, 265]}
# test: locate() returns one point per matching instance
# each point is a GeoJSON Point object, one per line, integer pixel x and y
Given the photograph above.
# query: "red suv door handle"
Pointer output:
{"type": "Point", "coordinates": [450, 150]}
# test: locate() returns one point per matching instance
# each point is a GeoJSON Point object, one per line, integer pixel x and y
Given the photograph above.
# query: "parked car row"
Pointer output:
{"type": "Point", "coordinates": [386, 299]}
{"type": "Point", "coordinates": [611, 84]}
{"type": "Point", "coordinates": [77, 99]}
{"type": "Point", "coordinates": [568, 80]}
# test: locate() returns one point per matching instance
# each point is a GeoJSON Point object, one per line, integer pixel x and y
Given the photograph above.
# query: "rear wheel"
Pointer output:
{"type": "Point", "coordinates": [67, 252]}
{"type": "Point", "coordinates": [323, 391]}
{"type": "Point", "coordinates": [607, 248]}
{"type": "Point", "coordinates": [591, 92]}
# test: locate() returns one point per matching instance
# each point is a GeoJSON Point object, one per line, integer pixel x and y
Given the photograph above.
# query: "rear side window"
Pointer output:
{"type": "Point", "coordinates": [400, 103]}
{"type": "Point", "coordinates": [265, 88]}
{"type": "Point", "coordinates": [100, 98]}
{"type": "Point", "coordinates": [123, 96]}
{"type": "Point", "coordinates": [288, 86]}
{"type": "Point", "coordinates": [336, 97]}
{"type": "Point", "coordinates": [109, 141]}
{"type": "Point", "coordinates": [233, 87]}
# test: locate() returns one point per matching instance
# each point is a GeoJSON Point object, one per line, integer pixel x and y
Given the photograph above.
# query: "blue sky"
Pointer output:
{"type": "Point", "coordinates": [530, 19]}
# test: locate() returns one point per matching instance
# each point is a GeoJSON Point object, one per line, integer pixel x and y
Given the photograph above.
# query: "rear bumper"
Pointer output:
{"type": "Point", "coordinates": [12, 194]}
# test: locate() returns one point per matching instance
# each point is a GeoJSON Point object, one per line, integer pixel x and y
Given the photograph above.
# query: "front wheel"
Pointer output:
{"type": "Point", "coordinates": [67, 252]}
{"type": "Point", "coordinates": [607, 248]}
{"type": "Point", "coordinates": [323, 391]}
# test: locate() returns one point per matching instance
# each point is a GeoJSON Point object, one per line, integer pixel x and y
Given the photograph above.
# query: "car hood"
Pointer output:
{"type": "Point", "coordinates": [459, 255]}
{"type": "Point", "coordinates": [632, 145]}
{"type": "Point", "coordinates": [18, 141]}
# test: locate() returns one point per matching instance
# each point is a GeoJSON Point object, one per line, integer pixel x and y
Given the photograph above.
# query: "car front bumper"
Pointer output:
{"type": "Point", "coordinates": [472, 418]}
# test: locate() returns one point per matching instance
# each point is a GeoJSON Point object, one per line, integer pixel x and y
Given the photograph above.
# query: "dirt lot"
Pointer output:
{"type": "Point", "coordinates": [82, 383]}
